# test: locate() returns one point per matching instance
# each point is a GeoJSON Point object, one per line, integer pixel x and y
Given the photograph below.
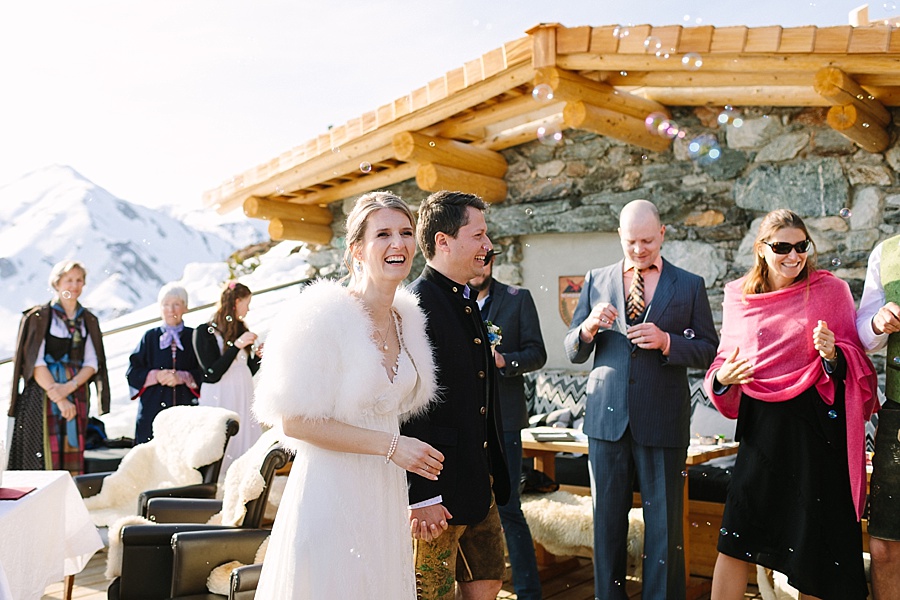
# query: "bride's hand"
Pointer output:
{"type": "Point", "coordinates": [418, 457]}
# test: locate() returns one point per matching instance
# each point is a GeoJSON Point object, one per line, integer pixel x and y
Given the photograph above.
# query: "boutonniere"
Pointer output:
{"type": "Point", "coordinates": [495, 334]}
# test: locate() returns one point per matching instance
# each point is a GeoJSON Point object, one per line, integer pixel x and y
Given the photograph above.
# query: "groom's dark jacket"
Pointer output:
{"type": "Point", "coordinates": [464, 423]}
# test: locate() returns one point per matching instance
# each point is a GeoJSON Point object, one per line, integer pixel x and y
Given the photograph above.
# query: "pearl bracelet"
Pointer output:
{"type": "Point", "coordinates": [393, 448]}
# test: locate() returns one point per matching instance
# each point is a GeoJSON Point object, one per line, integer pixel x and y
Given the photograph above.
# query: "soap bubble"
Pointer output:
{"type": "Point", "coordinates": [66, 294]}
{"type": "Point", "coordinates": [336, 149]}
{"type": "Point", "coordinates": [211, 330]}
{"type": "Point", "coordinates": [692, 61]}
{"type": "Point", "coordinates": [664, 54]}
{"type": "Point", "coordinates": [832, 414]}
{"type": "Point", "coordinates": [896, 361]}
{"type": "Point", "coordinates": [228, 318]}
{"type": "Point", "coordinates": [621, 32]}
{"type": "Point", "coordinates": [654, 121]}
{"type": "Point", "coordinates": [729, 116]}
{"type": "Point", "coordinates": [659, 124]}
{"type": "Point", "coordinates": [542, 92]}
{"type": "Point", "coordinates": [689, 333]}
{"type": "Point", "coordinates": [365, 167]}
{"type": "Point", "coordinates": [549, 135]}
{"type": "Point", "coordinates": [529, 211]}
{"type": "Point", "coordinates": [723, 531]}
{"type": "Point", "coordinates": [652, 44]}
{"type": "Point", "coordinates": [846, 213]}
{"type": "Point", "coordinates": [704, 149]}
{"type": "Point", "coordinates": [836, 261]}
{"type": "Point", "coordinates": [610, 408]}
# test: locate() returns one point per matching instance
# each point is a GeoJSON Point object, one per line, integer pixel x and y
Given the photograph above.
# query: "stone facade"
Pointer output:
{"type": "Point", "coordinates": [778, 158]}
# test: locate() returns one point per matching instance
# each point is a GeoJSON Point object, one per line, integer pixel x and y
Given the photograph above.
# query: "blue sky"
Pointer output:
{"type": "Point", "coordinates": [158, 101]}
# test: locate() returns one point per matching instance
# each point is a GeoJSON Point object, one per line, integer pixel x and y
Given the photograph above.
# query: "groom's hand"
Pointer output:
{"type": "Point", "coordinates": [429, 522]}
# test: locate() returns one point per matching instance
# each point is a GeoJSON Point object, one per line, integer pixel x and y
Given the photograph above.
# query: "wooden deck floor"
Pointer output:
{"type": "Point", "coordinates": [575, 584]}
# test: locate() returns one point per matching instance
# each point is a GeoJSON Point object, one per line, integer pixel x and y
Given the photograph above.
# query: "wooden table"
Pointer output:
{"type": "Point", "coordinates": [46, 535]}
{"type": "Point", "coordinates": [544, 454]}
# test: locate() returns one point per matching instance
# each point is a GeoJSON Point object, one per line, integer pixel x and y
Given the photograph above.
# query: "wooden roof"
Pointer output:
{"type": "Point", "coordinates": [603, 79]}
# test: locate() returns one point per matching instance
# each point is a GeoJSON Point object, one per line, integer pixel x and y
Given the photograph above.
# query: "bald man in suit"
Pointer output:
{"type": "Point", "coordinates": [645, 321]}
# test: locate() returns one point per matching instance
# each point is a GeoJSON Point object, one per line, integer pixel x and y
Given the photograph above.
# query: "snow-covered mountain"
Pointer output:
{"type": "Point", "coordinates": [129, 250]}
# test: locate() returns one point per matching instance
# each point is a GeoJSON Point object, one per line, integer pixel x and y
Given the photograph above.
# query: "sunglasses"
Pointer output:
{"type": "Point", "coordinates": [786, 247]}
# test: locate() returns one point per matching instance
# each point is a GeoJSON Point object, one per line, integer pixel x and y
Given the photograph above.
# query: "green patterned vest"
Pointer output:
{"type": "Point", "coordinates": [890, 279]}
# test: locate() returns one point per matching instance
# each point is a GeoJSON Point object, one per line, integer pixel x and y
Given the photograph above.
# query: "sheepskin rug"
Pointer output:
{"type": "Point", "coordinates": [563, 523]}
{"type": "Point", "coordinates": [184, 439]}
{"type": "Point", "coordinates": [243, 481]}
{"type": "Point", "coordinates": [219, 580]}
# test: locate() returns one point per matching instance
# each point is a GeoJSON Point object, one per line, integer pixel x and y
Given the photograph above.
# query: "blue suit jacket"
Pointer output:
{"type": "Point", "coordinates": [642, 388]}
{"type": "Point", "coordinates": [513, 310]}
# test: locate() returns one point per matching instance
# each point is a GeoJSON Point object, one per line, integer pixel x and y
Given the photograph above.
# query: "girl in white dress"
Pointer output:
{"type": "Point", "coordinates": [224, 347]}
{"type": "Point", "coordinates": [343, 367]}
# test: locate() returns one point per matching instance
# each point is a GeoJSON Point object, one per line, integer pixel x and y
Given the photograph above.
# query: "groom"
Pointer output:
{"type": "Point", "coordinates": [454, 520]}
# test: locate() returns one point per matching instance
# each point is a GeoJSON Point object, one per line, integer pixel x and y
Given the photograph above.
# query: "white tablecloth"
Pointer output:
{"type": "Point", "coordinates": [44, 536]}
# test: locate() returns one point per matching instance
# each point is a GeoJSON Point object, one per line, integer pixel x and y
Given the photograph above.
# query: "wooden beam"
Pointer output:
{"type": "Point", "coordinates": [580, 115]}
{"type": "Point", "coordinates": [263, 208]}
{"type": "Point", "coordinates": [475, 121]}
{"type": "Point", "coordinates": [735, 96]}
{"type": "Point", "coordinates": [360, 185]}
{"type": "Point", "coordinates": [285, 229]}
{"type": "Point", "coordinates": [572, 87]}
{"type": "Point", "coordinates": [706, 79]}
{"type": "Point", "coordinates": [503, 138]}
{"type": "Point", "coordinates": [858, 65]}
{"type": "Point", "coordinates": [543, 51]}
{"type": "Point", "coordinates": [433, 177]}
{"type": "Point", "coordinates": [410, 146]}
{"type": "Point", "coordinates": [839, 88]}
{"type": "Point", "coordinates": [854, 123]}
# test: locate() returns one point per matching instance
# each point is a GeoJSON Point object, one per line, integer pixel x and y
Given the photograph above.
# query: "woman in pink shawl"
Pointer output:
{"type": "Point", "coordinates": [791, 369]}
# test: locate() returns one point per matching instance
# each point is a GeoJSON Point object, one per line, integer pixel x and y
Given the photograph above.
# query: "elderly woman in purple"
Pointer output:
{"type": "Point", "coordinates": [163, 369]}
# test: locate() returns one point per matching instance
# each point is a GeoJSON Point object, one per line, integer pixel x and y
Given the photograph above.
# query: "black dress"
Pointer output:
{"type": "Point", "coordinates": [789, 504]}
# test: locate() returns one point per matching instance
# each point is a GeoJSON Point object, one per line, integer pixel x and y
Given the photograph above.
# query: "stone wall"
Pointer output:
{"type": "Point", "coordinates": [778, 158]}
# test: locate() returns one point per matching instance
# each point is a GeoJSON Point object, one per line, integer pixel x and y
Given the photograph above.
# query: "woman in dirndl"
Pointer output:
{"type": "Point", "coordinates": [58, 352]}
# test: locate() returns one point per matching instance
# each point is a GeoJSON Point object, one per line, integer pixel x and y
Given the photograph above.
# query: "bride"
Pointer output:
{"type": "Point", "coordinates": [343, 367]}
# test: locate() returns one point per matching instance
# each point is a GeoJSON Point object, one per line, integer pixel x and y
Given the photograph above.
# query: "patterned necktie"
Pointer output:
{"type": "Point", "coordinates": [634, 306]}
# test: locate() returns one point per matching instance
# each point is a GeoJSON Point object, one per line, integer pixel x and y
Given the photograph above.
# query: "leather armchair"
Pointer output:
{"type": "Point", "coordinates": [196, 553]}
{"type": "Point", "coordinates": [147, 556]}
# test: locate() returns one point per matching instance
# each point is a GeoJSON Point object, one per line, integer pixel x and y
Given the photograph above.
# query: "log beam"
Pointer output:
{"type": "Point", "coordinates": [373, 181]}
{"type": "Point", "coordinates": [854, 123]}
{"type": "Point", "coordinates": [410, 146]}
{"type": "Point", "coordinates": [285, 229]}
{"type": "Point", "coordinates": [628, 129]}
{"type": "Point", "coordinates": [573, 87]}
{"type": "Point", "coordinates": [263, 208]}
{"type": "Point", "coordinates": [840, 89]}
{"type": "Point", "coordinates": [433, 177]}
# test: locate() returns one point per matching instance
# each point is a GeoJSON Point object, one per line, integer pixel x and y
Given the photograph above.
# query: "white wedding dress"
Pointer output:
{"type": "Point", "coordinates": [234, 391]}
{"type": "Point", "coordinates": [342, 529]}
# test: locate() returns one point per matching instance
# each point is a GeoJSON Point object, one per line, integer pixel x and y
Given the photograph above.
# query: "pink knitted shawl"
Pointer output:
{"type": "Point", "coordinates": [774, 331]}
